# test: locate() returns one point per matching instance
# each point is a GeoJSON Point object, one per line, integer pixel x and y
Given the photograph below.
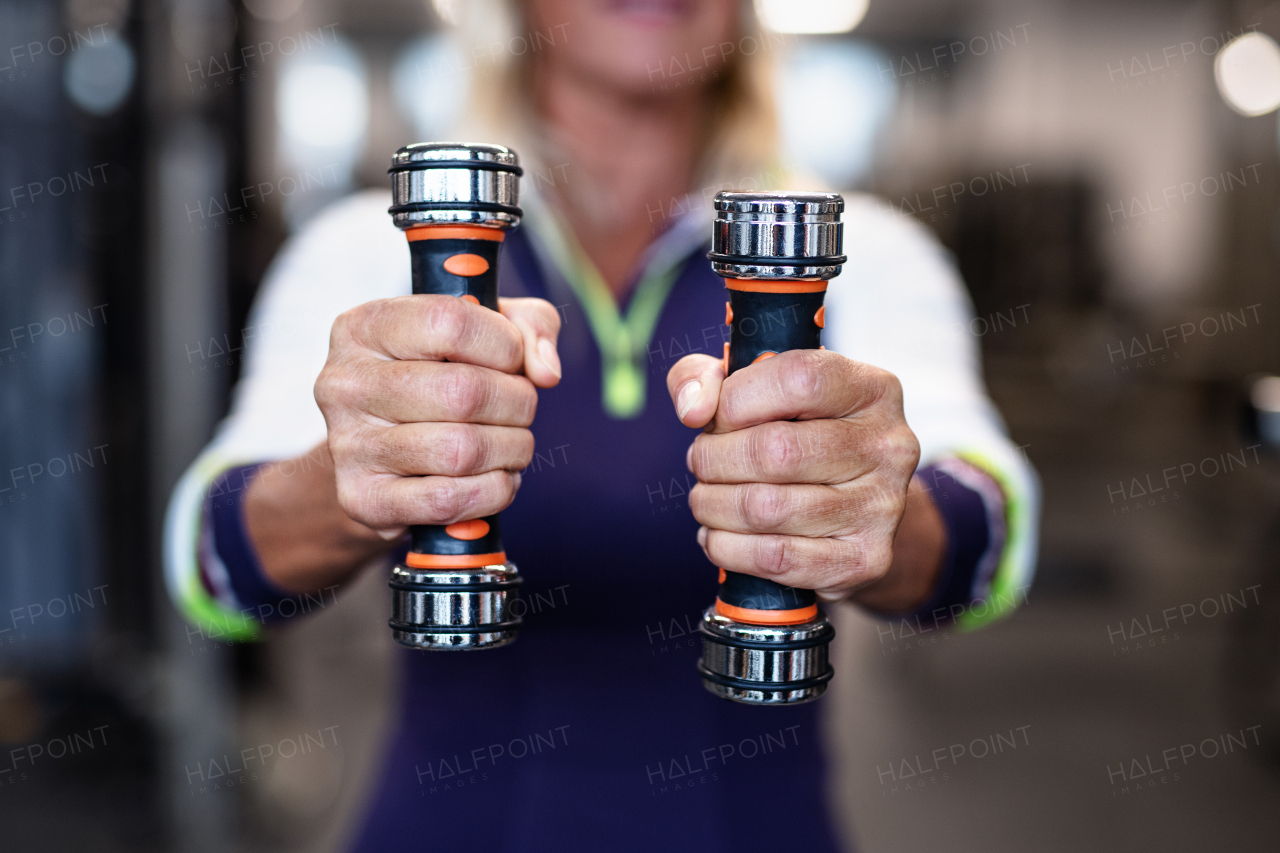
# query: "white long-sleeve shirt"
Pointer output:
{"type": "Point", "coordinates": [898, 304]}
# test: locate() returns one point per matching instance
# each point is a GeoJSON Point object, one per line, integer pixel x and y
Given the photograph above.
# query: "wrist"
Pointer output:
{"type": "Point", "coordinates": [304, 540]}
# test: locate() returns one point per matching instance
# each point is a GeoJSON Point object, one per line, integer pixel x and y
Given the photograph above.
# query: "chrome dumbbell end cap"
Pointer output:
{"type": "Point", "coordinates": [461, 182]}
{"type": "Point", "coordinates": [765, 664]}
{"type": "Point", "coordinates": [455, 610]}
{"type": "Point", "coordinates": [786, 235]}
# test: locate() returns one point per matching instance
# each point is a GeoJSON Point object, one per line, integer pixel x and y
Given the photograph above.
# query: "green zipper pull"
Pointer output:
{"type": "Point", "coordinates": [623, 391]}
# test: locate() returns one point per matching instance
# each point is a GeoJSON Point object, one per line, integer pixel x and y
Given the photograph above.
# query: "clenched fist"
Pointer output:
{"type": "Point", "coordinates": [803, 469]}
{"type": "Point", "coordinates": [428, 400]}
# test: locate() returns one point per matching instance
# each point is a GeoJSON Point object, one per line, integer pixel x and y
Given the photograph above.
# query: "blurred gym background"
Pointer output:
{"type": "Point", "coordinates": [1106, 176]}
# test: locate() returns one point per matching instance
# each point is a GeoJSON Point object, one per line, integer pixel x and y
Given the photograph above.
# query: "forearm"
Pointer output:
{"type": "Point", "coordinates": [304, 540]}
{"type": "Point", "coordinates": [918, 552]}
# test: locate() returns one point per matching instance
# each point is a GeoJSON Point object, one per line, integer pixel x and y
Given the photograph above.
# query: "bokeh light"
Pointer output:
{"type": "Point", "coordinates": [1248, 74]}
{"type": "Point", "coordinates": [811, 16]}
{"type": "Point", "coordinates": [430, 80]}
{"type": "Point", "coordinates": [98, 77]}
{"type": "Point", "coordinates": [841, 82]}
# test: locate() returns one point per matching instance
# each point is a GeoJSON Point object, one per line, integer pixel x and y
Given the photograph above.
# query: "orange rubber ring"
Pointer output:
{"type": "Point", "coordinates": [454, 561]}
{"type": "Point", "coordinates": [455, 232]}
{"type": "Point", "coordinates": [767, 617]}
{"type": "Point", "coordinates": [785, 286]}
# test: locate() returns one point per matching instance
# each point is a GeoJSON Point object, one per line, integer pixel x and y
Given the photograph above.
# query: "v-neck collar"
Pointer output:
{"type": "Point", "coordinates": [622, 333]}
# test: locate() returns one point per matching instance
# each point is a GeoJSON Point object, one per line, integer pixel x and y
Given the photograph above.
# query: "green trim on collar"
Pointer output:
{"type": "Point", "coordinates": [623, 341]}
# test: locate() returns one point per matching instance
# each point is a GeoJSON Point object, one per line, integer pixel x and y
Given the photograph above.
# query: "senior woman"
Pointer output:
{"type": "Point", "coordinates": [893, 488]}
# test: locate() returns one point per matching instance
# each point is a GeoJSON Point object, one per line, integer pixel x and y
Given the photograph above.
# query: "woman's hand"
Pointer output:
{"type": "Point", "coordinates": [803, 475]}
{"type": "Point", "coordinates": [428, 401]}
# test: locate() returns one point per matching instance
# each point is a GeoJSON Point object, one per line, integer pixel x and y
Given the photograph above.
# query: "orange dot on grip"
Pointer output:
{"type": "Point", "coordinates": [821, 317]}
{"type": "Point", "coordinates": [466, 264]}
{"type": "Point", "coordinates": [728, 314]}
{"type": "Point", "coordinates": [722, 576]}
{"type": "Point", "coordinates": [468, 530]}
{"type": "Point", "coordinates": [762, 356]}
{"type": "Point", "coordinates": [470, 298]}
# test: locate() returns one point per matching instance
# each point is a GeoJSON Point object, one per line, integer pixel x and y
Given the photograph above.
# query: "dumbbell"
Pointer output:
{"type": "Point", "coordinates": [764, 643]}
{"type": "Point", "coordinates": [455, 203]}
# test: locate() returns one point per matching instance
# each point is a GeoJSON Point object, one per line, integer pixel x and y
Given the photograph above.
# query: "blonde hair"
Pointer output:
{"type": "Point", "coordinates": [740, 146]}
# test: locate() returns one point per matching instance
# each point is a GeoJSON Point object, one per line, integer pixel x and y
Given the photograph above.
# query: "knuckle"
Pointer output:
{"type": "Point", "coordinates": [773, 555]}
{"type": "Point", "coordinates": [909, 448]}
{"type": "Point", "coordinates": [880, 383]}
{"type": "Point", "coordinates": [461, 392]}
{"type": "Point", "coordinates": [802, 376]}
{"type": "Point", "coordinates": [461, 449]}
{"type": "Point", "coordinates": [442, 501]}
{"type": "Point", "coordinates": [342, 384]}
{"type": "Point", "coordinates": [324, 390]}
{"type": "Point", "coordinates": [331, 386]}
{"type": "Point", "coordinates": [765, 507]}
{"type": "Point", "coordinates": [898, 448]}
{"type": "Point", "coordinates": [778, 449]}
{"type": "Point", "coordinates": [345, 325]}
{"type": "Point", "coordinates": [447, 321]}
{"type": "Point", "coordinates": [888, 441]}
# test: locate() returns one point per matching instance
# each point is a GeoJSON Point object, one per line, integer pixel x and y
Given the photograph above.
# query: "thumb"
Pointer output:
{"type": "Point", "coordinates": [539, 325]}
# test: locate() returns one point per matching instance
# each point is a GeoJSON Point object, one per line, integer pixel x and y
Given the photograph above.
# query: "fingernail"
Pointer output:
{"type": "Point", "coordinates": [688, 459]}
{"type": "Point", "coordinates": [702, 537]}
{"type": "Point", "coordinates": [547, 353]}
{"type": "Point", "coordinates": [687, 397]}
{"type": "Point", "coordinates": [392, 534]}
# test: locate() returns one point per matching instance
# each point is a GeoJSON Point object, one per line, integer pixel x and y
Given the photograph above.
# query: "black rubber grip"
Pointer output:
{"type": "Point", "coordinates": [771, 323]}
{"type": "Point", "coordinates": [430, 276]}
{"type": "Point", "coordinates": [753, 593]}
{"type": "Point", "coordinates": [764, 323]}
